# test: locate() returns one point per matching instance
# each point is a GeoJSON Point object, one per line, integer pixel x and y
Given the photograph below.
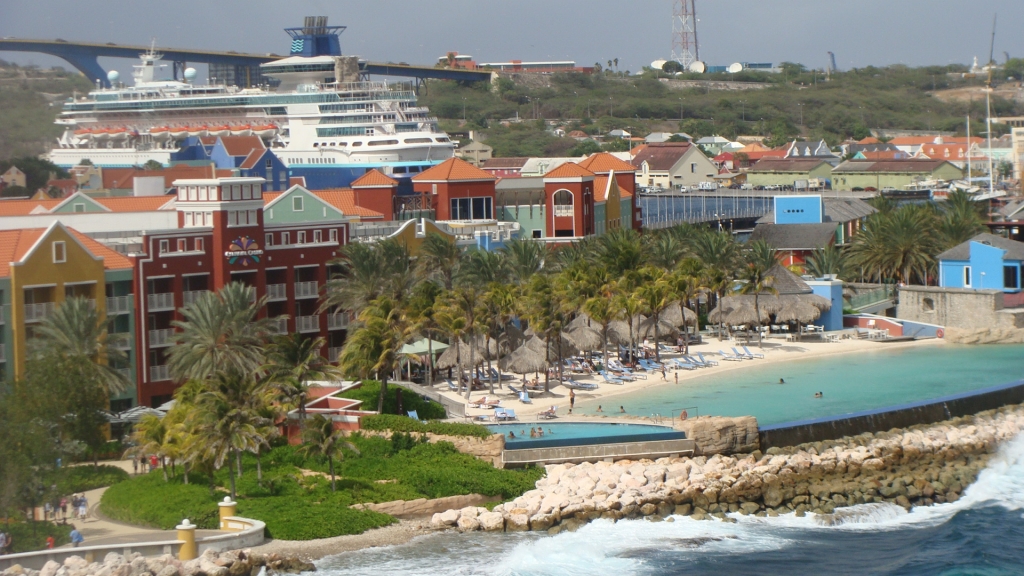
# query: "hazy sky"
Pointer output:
{"type": "Point", "coordinates": [860, 32]}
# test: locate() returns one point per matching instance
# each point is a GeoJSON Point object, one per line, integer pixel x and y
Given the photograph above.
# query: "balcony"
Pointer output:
{"type": "Point", "coordinates": [277, 292]}
{"type": "Point", "coordinates": [129, 373]}
{"type": "Point", "coordinates": [337, 321]}
{"type": "Point", "coordinates": [159, 373]}
{"type": "Point", "coordinates": [333, 354]}
{"type": "Point", "coordinates": [306, 290]}
{"type": "Point", "coordinates": [160, 302]}
{"type": "Point", "coordinates": [562, 210]}
{"type": "Point", "coordinates": [3, 353]}
{"type": "Point", "coordinates": [38, 312]}
{"type": "Point", "coordinates": [161, 338]}
{"type": "Point", "coordinates": [119, 305]}
{"type": "Point", "coordinates": [121, 340]}
{"type": "Point", "coordinates": [305, 324]}
{"type": "Point", "coordinates": [278, 325]}
{"type": "Point", "coordinates": [191, 296]}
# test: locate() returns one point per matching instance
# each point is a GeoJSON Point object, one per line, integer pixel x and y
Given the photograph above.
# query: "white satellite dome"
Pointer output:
{"type": "Point", "coordinates": [734, 68]}
{"type": "Point", "coordinates": [190, 74]}
{"type": "Point", "coordinates": [698, 67]}
{"type": "Point", "coordinates": [113, 76]}
{"type": "Point", "coordinates": [657, 64]}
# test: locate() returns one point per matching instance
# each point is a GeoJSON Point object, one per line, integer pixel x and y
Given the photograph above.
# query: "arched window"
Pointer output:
{"type": "Point", "coordinates": [563, 201]}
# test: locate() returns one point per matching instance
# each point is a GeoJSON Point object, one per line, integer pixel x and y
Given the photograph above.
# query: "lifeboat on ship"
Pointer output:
{"type": "Point", "coordinates": [178, 132]}
{"type": "Point", "coordinates": [217, 131]}
{"type": "Point", "coordinates": [265, 131]}
{"type": "Point", "coordinates": [199, 131]}
{"type": "Point", "coordinates": [241, 130]}
{"type": "Point", "coordinates": [118, 134]}
{"type": "Point", "coordinates": [101, 135]}
{"type": "Point", "coordinates": [160, 133]}
{"type": "Point", "coordinates": [83, 134]}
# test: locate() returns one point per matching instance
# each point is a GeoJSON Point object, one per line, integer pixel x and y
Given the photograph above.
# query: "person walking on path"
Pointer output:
{"type": "Point", "coordinates": [572, 399]}
{"type": "Point", "coordinates": [9, 546]}
{"type": "Point", "coordinates": [50, 542]}
{"type": "Point", "coordinates": [64, 509]}
{"type": "Point", "coordinates": [3, 542]}
{"type": "Point", "coordinates": [135, 464]}
{"type": "Point", "coordinates": [153, 462]}
{"type": "Point", "coordinates": [76, 537]}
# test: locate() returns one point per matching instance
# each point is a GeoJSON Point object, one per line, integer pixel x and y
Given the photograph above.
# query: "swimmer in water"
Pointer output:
{"type": "Point", "coordinates": [622, 410]}
{"type": "Point", "coordinates": [599, 408]}
{"type": "Point", "coordinates": [549, 431]}
{"type": "Point", "coordinates": [511, 434]}
{"type": "Point", "coordinates": [782, 381]}
{"type": "Point", "coordinates": [819, 395]}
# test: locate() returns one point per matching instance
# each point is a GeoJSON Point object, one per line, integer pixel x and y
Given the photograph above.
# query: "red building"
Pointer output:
{"type": "Point", "coordinates": [602, 165]}
{"type": "Point", "coordinates": [457, 190]}
{"type": "Point", "coordinates": [569, 201]}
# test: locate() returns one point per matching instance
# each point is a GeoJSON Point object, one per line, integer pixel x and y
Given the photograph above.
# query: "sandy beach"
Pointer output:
{"type": "Point", "coordinates": [775, 351]}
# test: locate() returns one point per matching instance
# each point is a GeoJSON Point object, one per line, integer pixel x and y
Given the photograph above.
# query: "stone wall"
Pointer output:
{"type": "Point", "coordinates": [424, 507]}
{"type": "Point", "coordinates": [956, 308]}
{"type": "Point", "coordinates": [721, 435]}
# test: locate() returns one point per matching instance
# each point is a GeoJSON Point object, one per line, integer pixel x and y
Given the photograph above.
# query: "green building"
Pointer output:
{"type": "Point", "coordinates": [864, 174]}
{"type": "Point", "coordinates": [786, 171]}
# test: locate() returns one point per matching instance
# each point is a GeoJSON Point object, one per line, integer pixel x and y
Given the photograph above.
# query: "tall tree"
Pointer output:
{"type": "Point", "coordinates": [524, 257]}
{"type": "Point", "coordinates": [320, 439]}
{"type": "Point", "coordinates": [374, 348]}
{"type": "Point", "coordinates": [292, 361]}
{"type": "Point", "coordinates": [757, 281]}
{"type": "Point", "coordinates": [439, 259]}
{"type": "Point", "coordinates": [656, 294]}
{"type": "Point", "coordinates": [76, 330]}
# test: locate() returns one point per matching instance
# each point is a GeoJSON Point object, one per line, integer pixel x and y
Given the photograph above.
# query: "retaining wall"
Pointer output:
{"type": "Point", "coordinates": [598, 452]}
{"type": "Point", "coordinates": [902, 416]}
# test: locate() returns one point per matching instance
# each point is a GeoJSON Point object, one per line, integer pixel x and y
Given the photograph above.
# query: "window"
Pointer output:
{"type": "Point", "coordinates": [232, 218]}
{"type": "Point", "coordinates": [182, 245]}
{"type": "Point", "coordinates": [693, 167]}
{"type": "Point", "coordinates": [189, 219]}
{"type": "Point", "coordinates": [270, 163]}
{"type": "Point", "coordinates": [471, 208]}
{"type": "Point", "coordinates": [967, 276]}
{"type": "Point", "coordinates": [182, 194]}
{"type": "Point", "coordinates": [297, 204]}
{"type": "Point", "coordinates": [202, 192]}
{"type": "Point", "coordinates": [79, 207]}
{"type": "Point", "coordinates": [199, 244]}
{"type": "Point", "coordinates": [252, 217]}
{"type": "Point", "coordinates": [286, 238]}
{"type": "Point", "coordinates": [538, 234]}
{"type": "Point", "coordinates": [928, 305]}
{"type": "Point", "coordinates": [165, 246]}
{"type": "Point", "coordinates": [246, 192]}
{"type": "Point", "coordinates": [268, 240]}
{"type": "Point", "coordinates": [236, 192]}
{"type": "Point", "coordinates": [1011, 277]}
{"type": "Point", "coordinates": [318, 236]}
{"type": "Point", "coordinates": [563, 202]}
{"type": "Point", "coordinates": [301, 237]}
{"type": "Point", "coordinates": [60, 252]}
{"type": "Point", "coordinates": [334, 235]}
{"type": "Point", "coordinates": [213, 193]}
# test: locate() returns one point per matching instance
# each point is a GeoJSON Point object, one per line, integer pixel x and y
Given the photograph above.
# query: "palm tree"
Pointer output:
{"type": "Point", "coordinates": [524, 258]}
{"type": "Point", "coordinates": [320, 439]}
{"type": "Point", "coordinates": [483, 267]}
{"type": "Point", "coordinates": [367, 271]}
{"type": "Point", "coordinates": [686, 286]}
{"type": "Point", "coordinates": [621, 250]}
{"type": "Point", "coordinates": [498, 306]}
{"type": "Point", "coordinates": [828, 260]}
{"type": "Point", "coordinates": [468, 300]}
{"type": "Point", "coordinates": [716, 250]}
{"type": "Point", "coordinates": [292, 361]}
{"type": "Point", "coordinates": [452, 323]}
{"type": "Point", "coordinates": [666, 250]}
{"type": "Point", "coordinates": [76, 329]}
{"type": "Point", "coordinates": [439, 259]}
{"type": "Point", "coordinates": [629, 306]}
{"type": "Point", "coordinates": [962, 219]}
{"type": "Point", "coordinates": [220, 332]}
{"type": "Point", "coordinates": [757, 281]}
{"type": "Point", "coordinates": [901, 244]}
{"type": "Point", "coordinates": [374, 349]}
{"type": "Point", "coordinates": [150, 437]}
{"type": "Point", "coordinates": [656, 294]}
{"type": "Point", "coordinates": [762, 254]}
{"type": "Point", "coordinates": [602, 309]}
{"type": "Point", "coordinates": [422, 314]}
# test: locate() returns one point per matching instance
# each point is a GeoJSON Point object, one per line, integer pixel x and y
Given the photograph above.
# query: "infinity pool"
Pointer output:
{"type": "Point", "coordinates": [849, 383]}
{"type": "Point", "coordinates": [581, 434]}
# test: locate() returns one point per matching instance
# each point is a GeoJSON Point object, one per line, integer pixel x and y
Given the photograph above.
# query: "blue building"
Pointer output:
{"type": "Point", "coordinates": [985, 262]}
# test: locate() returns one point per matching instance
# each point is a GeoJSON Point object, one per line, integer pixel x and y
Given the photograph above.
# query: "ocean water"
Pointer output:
{"type": "Point", "coordinates": [850, 383]}
{"type": "Point", "coordinates": [981, 534]}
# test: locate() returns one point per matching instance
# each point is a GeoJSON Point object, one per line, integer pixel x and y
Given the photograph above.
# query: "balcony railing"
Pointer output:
{"type": "Point", "coordinates": [3, 353]}
{"type": "Point", "coordinates": [562, 210]}
{"type": "Point", "coordinates": [38, 312]}
{"type": "Point", "coordinates": [129, 373]}
{"type": "Point", "coordinates": [159, 373]}
{"type": "Point", "coordinates": [333, 354]}
{"type": "Point", "coordinates": [338, 321]}
{"type": "Point", "coordinates": [279, 325]}
{"type": "Point", "coordinates": [193, 295]}
{"type": "Point", "coordinates": [159, 338]}
{"type": "Point", "coordinates": [121, 340]}
{"type": "Point", "coordinates": [306, 290]}
{"type": "Point", "coordinates": [160, 302]}
{"type": "Point", "coordinates": [277, 292]}
{"type": "Point", "coordinates": [119, 305]}
{"type": "Point", "coordinates": [307, 324]}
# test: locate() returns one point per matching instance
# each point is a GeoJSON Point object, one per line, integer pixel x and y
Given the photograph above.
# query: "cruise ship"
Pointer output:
{"type": "Point", "coordinates": [319, 114]}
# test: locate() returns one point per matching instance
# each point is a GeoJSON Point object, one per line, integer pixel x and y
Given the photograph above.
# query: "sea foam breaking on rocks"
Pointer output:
{"type": "Point", "coordinates": [918, 466]}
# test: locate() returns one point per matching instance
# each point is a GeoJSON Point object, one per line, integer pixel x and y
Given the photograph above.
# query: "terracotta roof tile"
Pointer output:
{"type": "Point", "coordinates": [112, 260]}
{"type": "Point", "coordinates": [135, 203]}
{"type": "Point", "coordinates": [603, 163]}
{"type": "Point", "coordinates": [26, 207]}
{"type": "Point", "coordinates": [254, 156]}
{"type": "Point", "coordinates": [374, 179]}
{"type": "Point", "coordinates": [15, 244]}
{"type": "Point", "coordinates": [570, 170]}
{"type": "Point", "coordinates": [241, 145]}
{"type": "Point", "coordinates": [453, 169]}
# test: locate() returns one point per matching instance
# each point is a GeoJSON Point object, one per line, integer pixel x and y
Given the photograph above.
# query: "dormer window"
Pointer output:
{"type": "Point", "coordinates": [297, 204]}
{"type": "Point", "coordinates": [60, 253]}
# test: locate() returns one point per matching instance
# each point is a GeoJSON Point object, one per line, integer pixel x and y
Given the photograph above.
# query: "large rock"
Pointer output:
{"type": "Point", "coordinates": [169, 570]}
{"type": "Point", "coordinates": [468, 524]}
{"type": "Point", "coordinates": [721, 435]}
{"type": "Point", "coordinates": [517, 523]}
{"type": "Point", "coordinates": [49, 569]}
{"type": "Point", "coordinates": [491, 522]}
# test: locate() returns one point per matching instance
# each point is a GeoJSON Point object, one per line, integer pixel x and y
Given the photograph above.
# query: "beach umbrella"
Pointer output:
{"type": "Point", "coordinates": [797, 310]}
{"type": "Point", "coordinates": [646, 328]}
{"type": "Point", "coordinates": [586, 338]}
{"type": "Point", "coordinates": [448, 359]}
{"type": "Point", "coordinates": [678, 315]}
{"type": "Point", "coordinates": [524, 360]}
{"type": "Point", "coordinates": [420, 348]}
{"type": "Point", "coordinates": [580, 321]}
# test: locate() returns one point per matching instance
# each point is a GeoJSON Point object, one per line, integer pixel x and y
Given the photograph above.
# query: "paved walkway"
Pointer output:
{"type": "Point", "coordinates": [99, 530]}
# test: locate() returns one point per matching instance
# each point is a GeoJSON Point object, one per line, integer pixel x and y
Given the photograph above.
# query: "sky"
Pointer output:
{"type": "Point", "coordinates": [860, 33]}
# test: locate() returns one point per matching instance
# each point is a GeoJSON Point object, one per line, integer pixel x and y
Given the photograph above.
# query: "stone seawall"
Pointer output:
{"type": "Point", "coordinates": [424, 507]}
{"type": "Point", "coordinates": [917, 466]}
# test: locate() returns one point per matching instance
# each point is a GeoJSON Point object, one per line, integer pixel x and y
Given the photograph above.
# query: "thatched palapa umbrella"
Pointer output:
{"type": "Point", "coordinates": [524, 360]}
{"type": "Point", "coordinates": [585, 338]}
{"type": "Point", "coordinates": [450, 357]}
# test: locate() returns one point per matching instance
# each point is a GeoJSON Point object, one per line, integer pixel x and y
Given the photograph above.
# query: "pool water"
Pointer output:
{"type": "Point", "coordinates": [581, 434]}
{"type": "Point", "coordinates": [849, 383]}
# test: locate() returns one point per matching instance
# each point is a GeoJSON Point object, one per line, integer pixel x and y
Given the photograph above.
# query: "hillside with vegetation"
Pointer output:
{"type": "Point", "coordinates": [30, 99]}
{"type": "Point", "coordinates": [797, 103]}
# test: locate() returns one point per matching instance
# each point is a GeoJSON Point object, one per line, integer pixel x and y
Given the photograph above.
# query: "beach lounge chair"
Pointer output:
{"type": "Point", "coordinates": [695, 361]}
{"type": "Point", "coordinates": [515, 391]}
{"type": "Point", "coordinates": [549, 413]}
{"type": "Point", "coordinates": [706, 361]}
{"type": "Point", "coordinates": [413, 414]}
{"type": "Point", "coordinates": [510, 414]}
{"type": "Point", "coordinates": [752, 354]}
{"type": "Point", "coordinates": [680, 365]}
{"type": "Point", "coordinates": [500, 414]}
{"type": "Point", "coordinates": [575, 385]}
{"type": "Point", "coordinates": [726, 356]}
{"type": "Point", "coordinates": [743, 355]}
{"type": "Point", "coordinates": [611, 379]}
{"type": "Point", "coordinates": [452, 386]}
{"type": "Point", "coordinates": [649, 365]}
{"type": "Point", "coordinates": [524, 397]}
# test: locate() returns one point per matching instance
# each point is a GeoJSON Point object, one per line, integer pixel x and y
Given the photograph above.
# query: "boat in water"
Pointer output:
{"type": "Point", "coordinates": [319, 114]}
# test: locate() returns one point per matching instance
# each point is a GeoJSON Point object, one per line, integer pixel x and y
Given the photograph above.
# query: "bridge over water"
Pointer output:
{"type": "Point", "coordinates": [731, 210]}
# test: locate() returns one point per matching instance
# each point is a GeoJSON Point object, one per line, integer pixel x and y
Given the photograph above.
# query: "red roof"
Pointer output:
{"type": "Point", "coordinates": [254, 156]}
{"type": "Point", "coordinates": [921, 140]}
{"type": "Point", "coordinates": [241, 145]}
{"type": "Point", "coordinates": [134, 203]}
{"type": "Point", "coordinates": [603, 163]}
{"type": "Point", "coordinates": [453, 169]}
{"type": "Point", "coordinates": [123, 178]}
{"type": "Point", "coordinates": [15, 244]}
{"type": "Point", "coordinates": [661, 155]}
{"type": "Point", "coordinates": [374, 179]}
{"type": "Point", "coordinates": [570, 170]}
{"type": "Point", "coordinates": [869, 140]}
{"type": "Point", "coordinates": [944, 151]}
{"type": "Point", "coordinates": [341, 198]}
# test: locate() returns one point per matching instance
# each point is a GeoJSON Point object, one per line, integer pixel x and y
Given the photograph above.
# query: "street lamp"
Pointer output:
{"type": "Point", "coordinates": [680, 109]}
{"type": "Point", "coordinates": [743, 107]}
{"type": "Point", "coordinates": [463, 109]}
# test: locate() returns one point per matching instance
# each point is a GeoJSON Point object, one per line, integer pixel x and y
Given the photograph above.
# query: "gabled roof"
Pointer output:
{"type": "Point", "coordinates": [882, 154]}
{"type": "Point", "coordinates": [662, 156]}
{"type": "Point", "coordinates": [795, 236]}
{"type": "Point", "coordinates": [241, 145]}
{"type": "Point", "coordinates": [768, 165]}
{"type": "Point", "coordinates": [916, 165]}
{"type": "Point", "coordinates": [374, 179]}
{"type": "Point", "coordinates": [250, 161]}
{"type": "Point", "coordinates": [22, 207]}
{"type": "Point", "coordinates": [453, 169]}
{"type": "Point", "coordinates": [1014, 249]}
{"type": "Point", "coordinates": [122, 178]}
{"type": "Point", "coordinates": [569, 170]}
{"type": "Point", "coordinates": [838, 210]}
{"type": "Point", "coordinates": [15, 245]}
{"type": "Point", "coordinates": [603, 163]}
{"type": "Point", "coordinates": [1012, 209]}
{"type": "Point", "coordinates": [504, 163]}
{"type": "Point", "coordinates": [112, 204]}
{"type": "Point", "coordinates": [341, 198]}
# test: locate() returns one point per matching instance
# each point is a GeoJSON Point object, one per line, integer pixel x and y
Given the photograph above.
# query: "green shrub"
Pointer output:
{"type": "Point", "coordinates": [149, 501]}
{"type": "Point", "coordinates": [71, 479]}
{"type": "Point", "coordinates": [370, 391]}
{"type": "Point", "coordinates": [31, 536]}
{"type": "Point", "coordinates": [381, 422]}
{"type": "Point", "coordinates": [304, 519]}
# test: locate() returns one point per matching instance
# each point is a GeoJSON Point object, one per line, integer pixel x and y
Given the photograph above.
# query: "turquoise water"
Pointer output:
{"type": "Point", "coordinates": [849, 383]}
{"type": "Point", "coordinates": [578, 433]}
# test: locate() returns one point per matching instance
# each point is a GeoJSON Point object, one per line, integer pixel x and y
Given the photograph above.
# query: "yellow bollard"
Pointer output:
{"type": "Point", "coordinates": [187, 534]}
{"type": "Point", "coordinates": [227, 509]}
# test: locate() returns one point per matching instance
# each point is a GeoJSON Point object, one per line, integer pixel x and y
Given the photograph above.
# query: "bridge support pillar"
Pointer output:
{"type": "Point", "coordinates": [87, 65]}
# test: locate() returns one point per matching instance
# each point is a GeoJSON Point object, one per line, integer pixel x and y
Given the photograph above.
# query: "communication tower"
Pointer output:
{"type": "Point", "coordinates": [684, 33]}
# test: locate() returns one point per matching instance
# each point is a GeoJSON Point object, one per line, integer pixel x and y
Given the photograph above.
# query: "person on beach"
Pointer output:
{"type": "Point", "coordinates": [135, 464]}
{"type": "Point", "coordinates": [64, 509]}
{"type": "Point", "coordinates": [663, 376]}
{"type": "Point", "coordinates": [76, 537]}
{"type": "Point", "coordinates": [50, 542]}
{"type": "Point", "coordinates": [572, 399]}
{"type": "Point", "coordinates": [83, 507]}
{"type": "Point", "coordinates": [683, 416]}
{"type": "Point", "coordinates": [153, 462]}
{"type": "Point", "coordinates": [677, 377]}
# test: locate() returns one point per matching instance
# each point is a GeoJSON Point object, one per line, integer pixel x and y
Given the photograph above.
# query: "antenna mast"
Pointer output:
{"type": "Point", "coordinates": [684, 32]}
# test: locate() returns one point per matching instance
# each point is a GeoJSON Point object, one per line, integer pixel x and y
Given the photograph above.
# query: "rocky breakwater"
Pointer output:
{"type": "Point", "coordinates": [917, 466]}
{"type": "Point", "coordinates": [210, 563]}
